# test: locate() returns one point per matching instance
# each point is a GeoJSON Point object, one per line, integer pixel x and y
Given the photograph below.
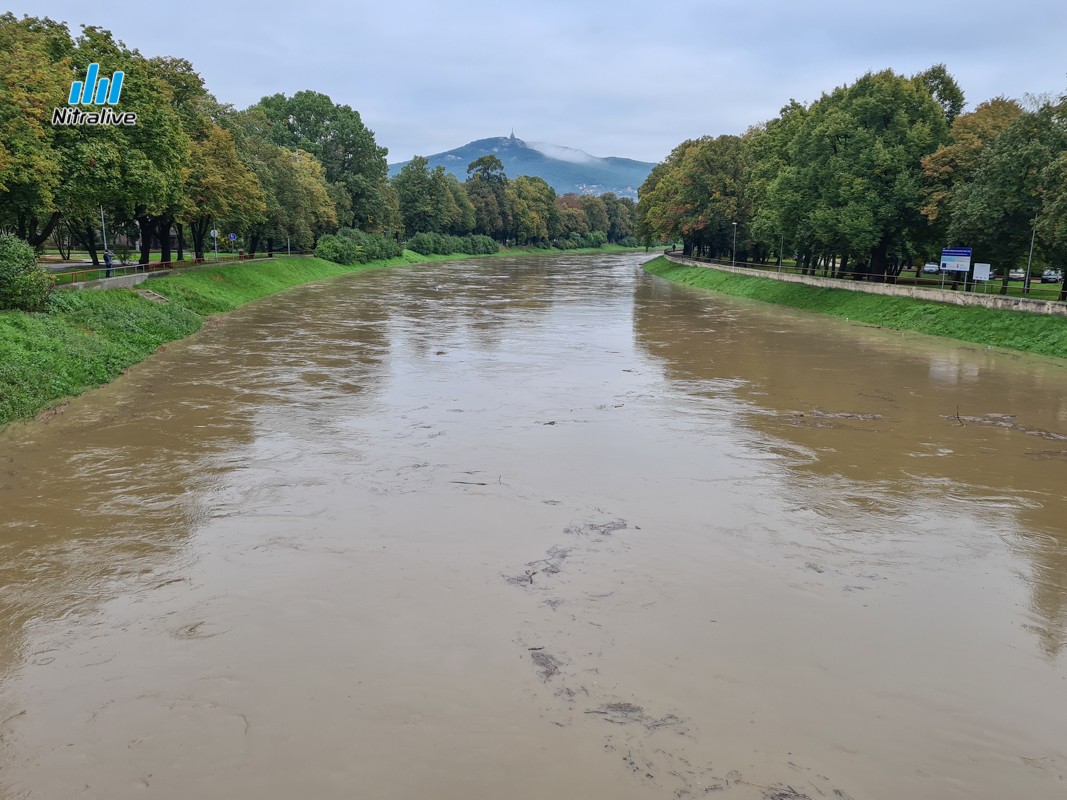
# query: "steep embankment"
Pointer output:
{"type": "Point", "coordinates": [89, 337]}
{"type": "Point", "coordinates": [1033, 333]}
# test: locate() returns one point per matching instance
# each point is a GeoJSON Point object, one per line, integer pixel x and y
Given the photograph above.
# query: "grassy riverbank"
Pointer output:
{"type": "Point", "coordinates": [1033, 333]}
{"type": "Point", "coordinates": [89, 337]}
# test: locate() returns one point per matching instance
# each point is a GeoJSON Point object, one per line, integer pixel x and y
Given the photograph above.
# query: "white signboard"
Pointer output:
{"type": "Point", "coordinates": [982, 272]}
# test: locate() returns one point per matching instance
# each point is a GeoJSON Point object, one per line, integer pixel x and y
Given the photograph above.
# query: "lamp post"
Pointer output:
{"type": "Point", "coordinates": [733, 252]}
{"type": "Point", "coordinates": [1030, 259]}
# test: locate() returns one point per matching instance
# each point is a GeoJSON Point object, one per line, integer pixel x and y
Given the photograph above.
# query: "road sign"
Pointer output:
{"type": "Point", "coordinates": [214, 234]}
{"type": "Point", "coordinates": [232, 237]}
{"type": "Point", "coordinates": [956, 259]}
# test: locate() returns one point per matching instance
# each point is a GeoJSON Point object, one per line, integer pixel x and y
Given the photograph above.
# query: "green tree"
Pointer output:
{"type": "Point", "coordinates": [35, 66]}
{"type": "Point", "coordinates": [954, 164]}
{"type": "Point", "coordinates": [487, 190]}
{"type": "Point", "coordinates": [998, 211]}
{"type": "Point", "coordinates": [336, 136]}
{"type": "Point", "coordinates": [853, 174]}
{"type": "Point", "coordinates": [534, 204]}
{"type": "Point", "coordinates": [219, 188]}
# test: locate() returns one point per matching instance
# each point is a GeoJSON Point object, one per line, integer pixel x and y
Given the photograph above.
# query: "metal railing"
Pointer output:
{"type": "Point", "coordinates": [91, 273]}
{"type": "Point", "coordinates": [905, 278]}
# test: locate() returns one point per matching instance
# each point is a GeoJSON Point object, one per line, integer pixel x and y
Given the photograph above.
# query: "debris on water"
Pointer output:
{"type": "Point", "coordinates": [597, 528]}
{"type": "Point", "coordinates": [549, 565]}
{"type": "Point", "coordinates": [548, 665]}
{"type": "Point", "coordinates": [819, 413]}
{"type": "Point", "coordinates": [1007, 421]}
{"type": "Point", "coordinates": [629, 713]}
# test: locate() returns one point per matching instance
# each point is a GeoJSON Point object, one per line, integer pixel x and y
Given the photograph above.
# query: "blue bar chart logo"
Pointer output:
{"type": "Point", "coordinates": [94, 91]}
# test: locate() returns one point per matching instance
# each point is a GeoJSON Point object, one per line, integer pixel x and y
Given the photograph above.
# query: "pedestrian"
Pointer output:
{"type": "Point", "coordinates": [109, 258]}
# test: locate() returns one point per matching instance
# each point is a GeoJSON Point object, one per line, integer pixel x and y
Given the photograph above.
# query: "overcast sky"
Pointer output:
{"type": "Point", "coordinates": [616, 78]}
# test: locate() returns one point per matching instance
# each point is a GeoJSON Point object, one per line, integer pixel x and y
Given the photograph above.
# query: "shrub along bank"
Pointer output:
{"type": "Point", "coordinates": [1033, 333]}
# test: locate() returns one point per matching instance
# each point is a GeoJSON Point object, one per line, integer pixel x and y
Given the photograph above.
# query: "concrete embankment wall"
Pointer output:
{"type": "Point", "coordinates": [1001, 302]}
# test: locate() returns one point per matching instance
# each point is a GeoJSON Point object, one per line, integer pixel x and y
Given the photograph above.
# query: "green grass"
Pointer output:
{"type": "Point", "coordinates": [86, 340]}
{"type": "Point", "coordinates": [1032, 333]}
{"type": "Point", "coordinates": [89, 337]}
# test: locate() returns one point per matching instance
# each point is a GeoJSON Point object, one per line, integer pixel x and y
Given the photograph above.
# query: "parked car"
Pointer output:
{"type": "Point", "coordinates": [931, 268]}
{"type": "Point", "coordinates": [1016, 275]}
{"type": "Point", "coordinates": [1052, 276]}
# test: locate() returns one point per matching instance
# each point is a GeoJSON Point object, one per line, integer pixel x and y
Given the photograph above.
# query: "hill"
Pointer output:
{"type": "Point", "coordinates": [563, 168]}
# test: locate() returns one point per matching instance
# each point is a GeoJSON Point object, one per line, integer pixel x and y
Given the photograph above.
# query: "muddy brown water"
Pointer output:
{"type": "Point", "coordinates": [543, 527]}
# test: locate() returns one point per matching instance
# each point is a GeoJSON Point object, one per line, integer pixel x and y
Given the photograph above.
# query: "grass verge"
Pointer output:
{"type": "Point", "coordinates": [89, 337]}
{"type": "Point", "coordinates": [1032, 333]}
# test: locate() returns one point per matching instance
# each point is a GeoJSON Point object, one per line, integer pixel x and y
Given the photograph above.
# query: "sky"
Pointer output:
{"type": "Point", "coordinates": [610, 77]}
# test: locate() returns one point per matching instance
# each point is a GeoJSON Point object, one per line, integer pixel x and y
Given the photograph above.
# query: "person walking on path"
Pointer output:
{"type": "Point", "coordinates": [109, 258]}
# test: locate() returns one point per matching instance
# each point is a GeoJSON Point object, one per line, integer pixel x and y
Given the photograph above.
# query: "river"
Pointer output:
{"type": "Point", "coordinates": [533, 527]}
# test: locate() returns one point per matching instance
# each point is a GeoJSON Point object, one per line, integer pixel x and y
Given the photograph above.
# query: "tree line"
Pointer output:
{"type": "Point", "coordinates": [872, 178]}
{"type": "Point", "coordinates": [284, 172]}
{"type": "Point", "coordinates": [524, 210]}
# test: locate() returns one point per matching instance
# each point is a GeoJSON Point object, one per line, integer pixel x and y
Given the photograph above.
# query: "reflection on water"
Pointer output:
{"type": "Point", "coordinates": [886, 420]}
{"type": "Point", "coordinates": [539, 526]}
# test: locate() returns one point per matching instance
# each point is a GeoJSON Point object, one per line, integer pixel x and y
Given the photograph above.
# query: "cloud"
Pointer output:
{"type": "Point", "coordinates": [621, 78]}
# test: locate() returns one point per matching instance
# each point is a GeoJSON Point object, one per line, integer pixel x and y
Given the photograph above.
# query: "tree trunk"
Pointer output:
{"type": "Point", "coordinates": [90, 244]}
{"type": "Point", "coordinates": [144, 227]}
{"type": "Point", "coordinates": [63, 254]}
{"type": "Point", "coordinates": [163, 233]}
{"type": "Point", "coordinates": [879, 261]}
{"type": "Point", "coordinates": [181, 240]}
{"type": "Point", "coordinates": [198, 228]}
{"type": "Point", "coordinates": [37, 238]}
{"type": "Point", "coordinates": [253, 244]}
{"type": "Point", "coordinates": [843, 266]}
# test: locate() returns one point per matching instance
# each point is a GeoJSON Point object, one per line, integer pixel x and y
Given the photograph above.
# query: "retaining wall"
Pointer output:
{"type": "Point", "coordinates": [997, 301]}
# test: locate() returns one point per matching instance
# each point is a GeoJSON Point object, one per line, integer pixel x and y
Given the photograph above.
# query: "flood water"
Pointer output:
{"type": "Point", "coordinates": [539, 527]}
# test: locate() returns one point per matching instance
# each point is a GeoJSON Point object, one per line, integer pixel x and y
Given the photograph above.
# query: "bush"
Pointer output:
{"type": "Point", "coordinates": [628, 241]}
{"type": "Point", "coordinates": [373, 247]}
{"type": "Point", "coordinates": [24, 286]}
{"type": "Point", "coordinates": [338, 249]}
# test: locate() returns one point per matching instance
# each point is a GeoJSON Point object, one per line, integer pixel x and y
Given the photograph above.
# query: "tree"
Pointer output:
{"type": "Point", "coordinates": [534, 203]}
{"type": "Point", "coordinates": [426, 200]}
{"type": "Point", "coordinates": [953, 165]}
{"type": "Point", "coordinates": [621, 216]}
{"type": "Point", "coordinates": [336, 136]}
{"type": "Point", "coordinates": [853, 174]}
{"type": "Point", "coordinates": [220, 189]}
{"type": "Point", "coordinates": [298, 199]}
{"type": "Point", "coordinates": [998, 211]}
{"type": "Point", "coordinates": [698, 196]}
{"type": "Point", "coordinates": [35, 66]}
{"type": "Point", "coordinates": [487, 189]}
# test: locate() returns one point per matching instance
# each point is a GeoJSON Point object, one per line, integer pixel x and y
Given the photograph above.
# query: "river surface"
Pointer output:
{"type": "Point", "coordinates": [539, 527]}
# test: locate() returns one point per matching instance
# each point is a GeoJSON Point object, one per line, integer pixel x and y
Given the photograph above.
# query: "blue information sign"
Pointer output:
{"type": "Point", "coordinates": [956, 259]}
{"type": "Point", "coordinates": [233, 238]}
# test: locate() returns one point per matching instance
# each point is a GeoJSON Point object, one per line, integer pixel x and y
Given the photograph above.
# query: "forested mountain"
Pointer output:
{"type": "Point", "coordinates": [564, 169]}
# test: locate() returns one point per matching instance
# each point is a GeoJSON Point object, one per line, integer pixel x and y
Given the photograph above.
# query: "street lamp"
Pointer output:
{"type": "Point", "coordinates": [1030, 258]}
{"type": "Point", "coordinates": [733, 253]}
